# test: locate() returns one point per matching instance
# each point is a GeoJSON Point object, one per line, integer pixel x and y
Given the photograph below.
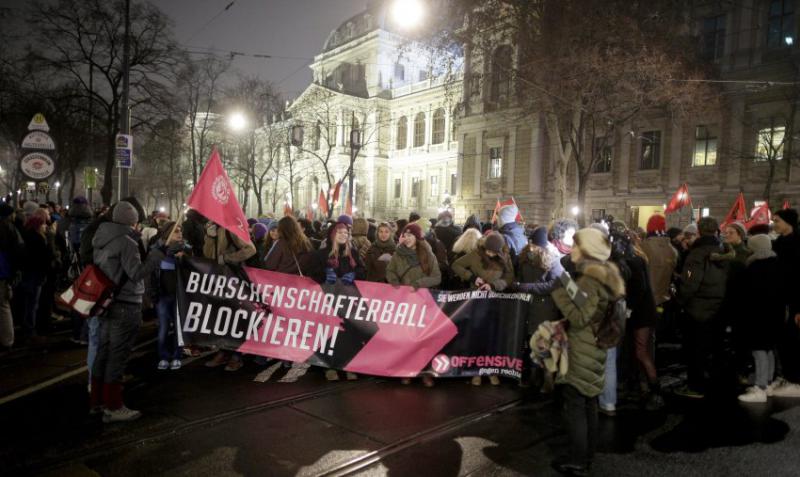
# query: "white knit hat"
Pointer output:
{"type": "Point", "coordinates": [593, 244]}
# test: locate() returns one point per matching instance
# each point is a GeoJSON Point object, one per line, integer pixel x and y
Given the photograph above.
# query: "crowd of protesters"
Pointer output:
{"type": "Point", "coordinates": [729, 293]}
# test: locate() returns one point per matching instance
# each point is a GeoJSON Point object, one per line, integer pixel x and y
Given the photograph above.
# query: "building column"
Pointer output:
{"type": "Point", "coordinates": [675, 155]}
{"type": "Point", "coordinates": [478, 163]}
{"type": "Point", "coordinates": [459, 168]}
{"type": "Point", "coordinates": [624, 160]}
{"type": "Point", "coordinates": [512, 158]}
{"type": "Point", "coordinates": [537, 153]}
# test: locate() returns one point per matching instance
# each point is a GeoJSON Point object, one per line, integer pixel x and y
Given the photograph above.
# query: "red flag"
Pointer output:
{"type": "Point", "coordinates": [737, 213]}
{"type": "Point", "coordinates": [213, 197]}
{"type": "Point", "coordinates": [679, 200]}
{"type": "Point", "coordinates": [336, 193]}
{"type": "Point", "coordinates": [786, 205]}
{"type": "Point", "coordinates": [499, 205]}
{"type": "Point", "coordinates": [759, 216]}
{"type": "Point", "coordinates": [323, 204]}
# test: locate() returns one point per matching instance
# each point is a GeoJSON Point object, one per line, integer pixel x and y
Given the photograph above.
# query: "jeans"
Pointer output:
{"type": "Point", "coordinates": [608, 400]}
{"type": "Point", "coordinates": [765, 367]}
{"type": "Point", "coordinates": [31, 288]}
{"type": "Point", "coordinates": [168, 348]}
{"type": "Point", "coordinates": [6, 321]}
{"type": "Point", "coordinates": [118, 332]}
{"type": "Point", "coordinates": [93, 324]}
{"type": "Point", "coordinates": [580, 419]}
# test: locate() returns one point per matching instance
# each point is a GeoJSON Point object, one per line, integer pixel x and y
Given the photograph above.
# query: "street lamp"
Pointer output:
{"type": "Point", "coordinates": [575, 210]}
{"type": "Point", "coordinates": [407, 13]}
{"type": "Point", "coordinates": [237, 122]}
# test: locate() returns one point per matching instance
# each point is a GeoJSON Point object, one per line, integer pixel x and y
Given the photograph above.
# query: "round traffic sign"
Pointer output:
{"type": "Point", "coordinates": [37, 165]}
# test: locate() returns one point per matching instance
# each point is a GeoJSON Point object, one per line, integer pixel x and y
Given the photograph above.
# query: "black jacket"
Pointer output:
{"type": "Point", "coordinates": [761, 310]}
{"type": "Point", "coordinates": [703, 281]}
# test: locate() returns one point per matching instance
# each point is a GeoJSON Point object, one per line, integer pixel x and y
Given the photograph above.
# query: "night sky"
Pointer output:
{"type": "Point", "coordinates": [289, 28]}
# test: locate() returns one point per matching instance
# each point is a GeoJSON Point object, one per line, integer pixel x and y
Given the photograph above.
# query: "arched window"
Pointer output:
{"type": "Point", "coordinates": [501, 75]}
{"type": "Point", "coordinates": [419, 130]}
{"type": "Point", "coordinates": [402, 132]}
{"type": "Point", "coordinates": [317, 135]}
{"type": "Point", "coordinates": [438, 126]}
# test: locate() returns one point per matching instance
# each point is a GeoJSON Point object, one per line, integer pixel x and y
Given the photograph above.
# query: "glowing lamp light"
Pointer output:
{"type": "Point", "coordinates": [575, 210]}
{"type": "Point", "coordinates": [314, 206]}
{"type": "Point", "coordinates": [161, 209]}
{"type": "Point", "coordinates": [789, 40]}
{"type": "Point", "coordinates": [407, 13]}
{"type": "Point", "coordinates": [237, 122]}
{"type": "Point", "coordinates": [58, 184]}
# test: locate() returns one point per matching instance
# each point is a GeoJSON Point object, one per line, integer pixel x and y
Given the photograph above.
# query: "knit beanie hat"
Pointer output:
{"type": "Point", "coordinates": [80, 200]}
{"type": "Point", "coordinates": [593, 244]}
{"type": "Point", "coordinates": [789, 216]}
{"type": "Point", "coordinates": [602, 228]}
{"type": "Point", "coordinates": [656, 224]}
{"type": "Point", "coordinates": [259, 231]}
{"type": "Point", "coordinates": [761, 246]}
{"type": "Point", "coordinates": [507, 214]}
{"type": "Point", "coordinates": [539, 236]}
{"type": "Point", "coordinates": [272, 225]}
{"type": "Point", "coordinates": [251, 222]}
{"type": "Point", "coordinates": [739, 228]}
{"type": "Point", "coordinates": [415, 230]}
{"type": "Point", "coordinates": [494, 242]}
{"type": "Point", "coordinates": [125, 214]}
{"type": "Point", "coordinates": [345, 219]}
{"type": "Point", "coordinates": [29, 207]}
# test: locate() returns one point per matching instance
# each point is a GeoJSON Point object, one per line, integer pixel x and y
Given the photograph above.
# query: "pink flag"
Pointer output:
{"type": "Point", "coordinates": [214, 198]}
{"type": "Point", "coordinates": [759, 216]}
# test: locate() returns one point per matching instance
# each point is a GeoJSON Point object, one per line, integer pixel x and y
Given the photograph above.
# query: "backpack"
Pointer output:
{"type": "Point", "coordinates": [92, 293]}
{"type": "Point", "coordinates": [610, 329]}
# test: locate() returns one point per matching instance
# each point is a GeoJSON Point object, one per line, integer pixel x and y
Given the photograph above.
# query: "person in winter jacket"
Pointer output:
{"type": "Point", "coordinates": [380, 253]}
{"type": "Point", "coordinates": [38, 261]}
{"type": "Point", "coordinates": [194, 231]}
{"type": "Point", "coordinates": [360, 240]}
{"type": "Point", "coordinates": [466, 243]}
{"type": "Point", "coordinates": [701, 293]}
{"type": "Point", "coordinates": [259, 234]}
{"type": "Point", "coordinates": [225, 248]}
{"type": "Point", "coordinates": [12, 249]}
{"type": "Point", "coordinates": [601, 283]}
{"type": "Point", "coordinates": [169, 353]}
{"type": "Point", "coordinates": [662, 258]}
{"type": "Point", "coordinates": [413, 264]}
{"type": "Point", "coordinates": [473, 222]}
{"type": "Point", "coordinates": [488, 267]}
{"type": "Point", "coordinates": [513, 232]}
{"type": "Point", "coordinates": [787, 248]}
{"type": "Point", "coordinates": [538, 272]}
{"type": "Point", "coordinates": [116, 252]}
{"type": "Point", "coordinates": [446, 230]}
{"type": "Point", "coordinates": [762, 318]}
{"type": "Point", "coordinates": [734, 236]}
{"type": "Point", "coordinates": [78, 219]}
{"type": "Point", "coordinates": [290, 250]}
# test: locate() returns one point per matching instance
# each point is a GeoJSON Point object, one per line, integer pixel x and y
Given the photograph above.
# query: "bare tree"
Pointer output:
{"type": "Point", "coordinates": [200, 85]}
{"type": "Point", "coordinates": [71, 37]}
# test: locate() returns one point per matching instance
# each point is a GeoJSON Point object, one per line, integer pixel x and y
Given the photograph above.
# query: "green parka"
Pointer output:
{"type": "Point", "coordinates": [602, 283]}
{"type": "Point", "coordinates": [472, 265]}
{"type": "Point", "coordinates": [401, 272]}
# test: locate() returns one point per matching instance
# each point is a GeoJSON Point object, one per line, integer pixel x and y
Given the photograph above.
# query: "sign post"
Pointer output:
{"type": "Point", "coordinates": [37, 160]}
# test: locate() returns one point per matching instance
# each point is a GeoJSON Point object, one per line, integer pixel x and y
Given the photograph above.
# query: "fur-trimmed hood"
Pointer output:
{"type": "Point", "coordinates": [606, 273]}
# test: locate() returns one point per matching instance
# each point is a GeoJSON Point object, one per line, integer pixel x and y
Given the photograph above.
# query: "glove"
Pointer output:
{"type": "Point", "coordinates": [330, 275]}
{"type": "Point", "coordinates": [348, 278]}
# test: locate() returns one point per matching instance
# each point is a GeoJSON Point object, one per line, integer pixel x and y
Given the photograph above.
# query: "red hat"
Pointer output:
{"type": "Point", "coordinates": [656, 224]}
{"type": "Point", "coordinates": [414, 230]}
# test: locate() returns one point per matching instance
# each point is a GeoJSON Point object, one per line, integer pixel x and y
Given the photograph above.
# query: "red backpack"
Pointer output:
{"type": "Point", "coordinates": [91, 294]}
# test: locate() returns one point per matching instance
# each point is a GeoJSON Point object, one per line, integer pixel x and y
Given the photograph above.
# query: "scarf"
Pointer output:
{"type": "Point", "coordinates": [409, 255]}
{"type": "Point", "coordinates": [562, 247]}
{"type": "Point", "coordinates": [385, 247]}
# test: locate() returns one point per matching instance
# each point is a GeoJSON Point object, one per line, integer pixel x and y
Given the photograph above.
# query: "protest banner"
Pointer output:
{"type": "Point", "coordinates": [369, 328]}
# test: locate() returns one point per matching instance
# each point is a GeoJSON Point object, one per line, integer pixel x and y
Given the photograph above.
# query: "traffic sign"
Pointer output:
{"type": "Point", "coordinates": [37, 165]}
{"type": "Point", "coordinates": [38, 123]}
{"type": "Point", "coordinates": [38, 140]}
{"type": "Point", "coordinates": [124, 144]}
{"type": "Point", "coordinates": [90, 177]}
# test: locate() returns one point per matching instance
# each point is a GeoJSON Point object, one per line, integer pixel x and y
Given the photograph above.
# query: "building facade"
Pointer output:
{"type": "Point", "coordinates": [436, 137]}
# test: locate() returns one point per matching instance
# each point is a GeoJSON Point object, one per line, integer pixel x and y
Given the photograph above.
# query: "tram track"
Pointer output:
{"type": "Point", "coordinates": [106, 448]}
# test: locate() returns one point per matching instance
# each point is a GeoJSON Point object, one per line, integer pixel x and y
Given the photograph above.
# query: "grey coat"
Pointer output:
{"type": "Point", "coordinates": [117, 253]}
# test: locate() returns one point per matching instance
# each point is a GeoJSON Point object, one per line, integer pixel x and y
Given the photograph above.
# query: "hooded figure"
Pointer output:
{"type": "Point", "coordinates": [513, 233]}
{"type": "Point", "coordinates": [446, 230]}
{"type": "Point", "coordinates": [360, 240]}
